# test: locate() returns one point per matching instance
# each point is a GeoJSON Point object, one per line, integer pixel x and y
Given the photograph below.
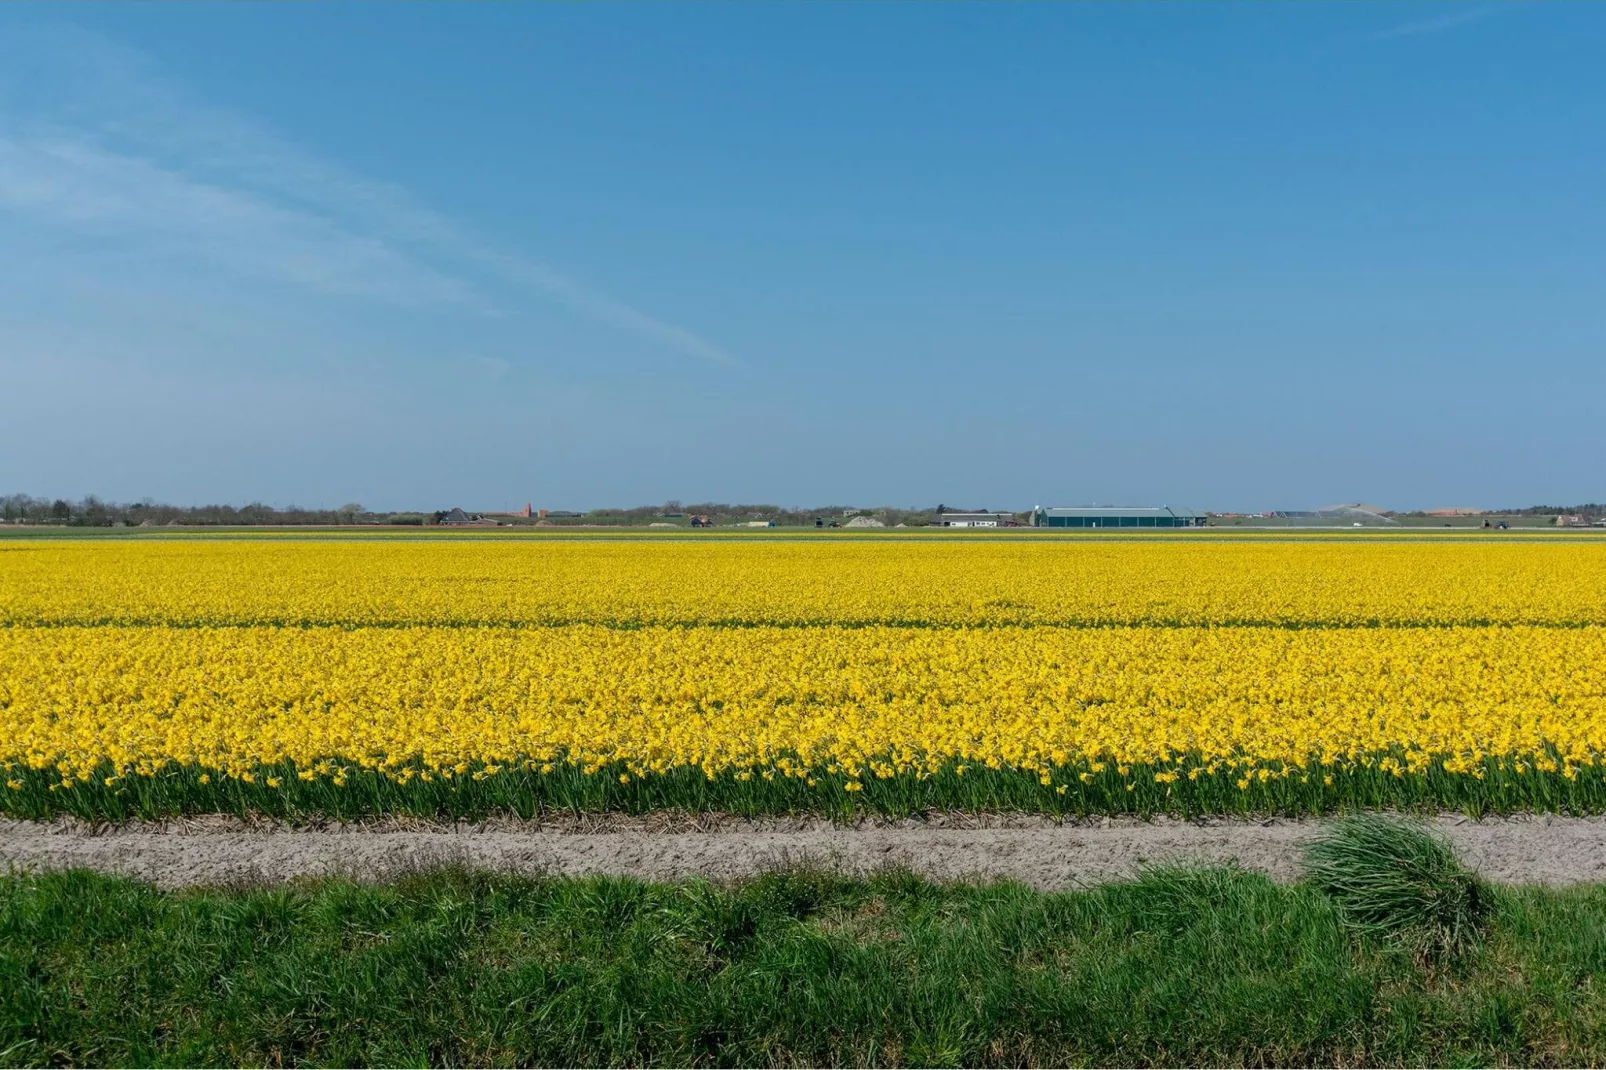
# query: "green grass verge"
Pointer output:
{"type": "Point", "coordinates": [1181, 967]}
{"type": "Point", "coordinates": [278, 791]}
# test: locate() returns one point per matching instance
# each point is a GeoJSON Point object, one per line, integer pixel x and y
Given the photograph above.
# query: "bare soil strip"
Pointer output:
{"type": "Point", "coordinates": [224, 851]}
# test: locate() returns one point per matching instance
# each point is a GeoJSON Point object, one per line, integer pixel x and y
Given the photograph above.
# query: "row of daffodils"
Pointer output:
{"type": "Point", "coordinates": [1182, 675]}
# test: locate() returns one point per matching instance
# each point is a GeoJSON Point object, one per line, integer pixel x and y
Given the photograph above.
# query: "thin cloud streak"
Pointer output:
{"type": "Point", "coordinates": [72, 181]}
{"type": "Point", "coordinates": [1442, 23]}
{"type": "Point", "coordinates": [228, 188]}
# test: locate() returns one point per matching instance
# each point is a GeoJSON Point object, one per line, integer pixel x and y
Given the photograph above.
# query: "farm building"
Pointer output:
{"type": "Point", "coordinates": [975, 520]}
{"type": "Point", "coordinates": [1108, 516]}
{"type": "Point", "coordinates": [458, 518]}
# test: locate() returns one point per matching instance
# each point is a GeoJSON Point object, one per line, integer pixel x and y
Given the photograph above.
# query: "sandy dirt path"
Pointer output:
{"type": "Point", "coordinates": [222, 851]}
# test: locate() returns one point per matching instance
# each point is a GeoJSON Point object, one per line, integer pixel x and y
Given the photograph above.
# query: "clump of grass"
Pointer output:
{"type": "Point", "coordinates": [1393, 879]}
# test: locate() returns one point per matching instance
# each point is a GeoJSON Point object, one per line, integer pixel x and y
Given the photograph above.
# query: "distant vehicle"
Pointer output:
{"type": "Point", "coordinates": [1502, 525]}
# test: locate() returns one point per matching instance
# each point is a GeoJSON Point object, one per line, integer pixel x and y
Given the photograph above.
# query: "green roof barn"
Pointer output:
{"type": "Point", "coordinates": [1110, 516]}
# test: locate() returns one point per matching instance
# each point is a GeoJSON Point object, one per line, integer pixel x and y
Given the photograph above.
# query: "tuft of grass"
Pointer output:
{"type": "Point", "coordinates": [1394, 879]}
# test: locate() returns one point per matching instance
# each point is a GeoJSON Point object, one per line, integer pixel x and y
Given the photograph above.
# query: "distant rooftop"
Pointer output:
{"type": "Point", "coordinates": [1118, 510]}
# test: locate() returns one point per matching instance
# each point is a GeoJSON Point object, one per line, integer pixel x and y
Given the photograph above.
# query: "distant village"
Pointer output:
{"type": "Point", "coordinates": [710, 515]}
{"type": "Point", "coordinates": [91, 511]}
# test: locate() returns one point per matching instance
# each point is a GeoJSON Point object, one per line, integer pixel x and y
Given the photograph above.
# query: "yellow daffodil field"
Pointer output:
{"type": "Point", "coordinates": [469, 675]}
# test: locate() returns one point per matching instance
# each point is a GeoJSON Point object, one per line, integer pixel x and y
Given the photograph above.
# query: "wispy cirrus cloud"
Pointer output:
{"type": "Point", "coordinates": [94, 138]}
{"type": "Point", "coordinates": [63, 177]}
{"type": "Point", "coordinates": [1457, 16]}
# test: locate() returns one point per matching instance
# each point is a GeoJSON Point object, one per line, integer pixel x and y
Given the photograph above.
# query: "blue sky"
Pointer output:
{"type": "Point", "coordinates": [1235, 256]}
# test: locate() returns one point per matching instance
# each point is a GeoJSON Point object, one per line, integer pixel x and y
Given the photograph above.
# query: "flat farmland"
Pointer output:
{"type": "Point", "coordinates": [461, 677]}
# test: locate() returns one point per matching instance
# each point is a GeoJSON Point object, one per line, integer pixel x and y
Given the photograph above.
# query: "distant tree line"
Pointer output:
{"type": "Point", "coordinates": [1587, 509]}
{"type": "Point", "coordinates": [93, 512]}
{"type": "Point", "coordinates": [1590, 509]}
